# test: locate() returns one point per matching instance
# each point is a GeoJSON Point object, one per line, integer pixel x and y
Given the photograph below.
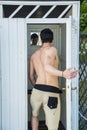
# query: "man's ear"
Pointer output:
{"type": "Point", "coordinates": [52, 41]}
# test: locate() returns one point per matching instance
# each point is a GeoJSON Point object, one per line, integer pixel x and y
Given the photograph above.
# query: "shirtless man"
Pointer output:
{"type": "Point", "coordinates": [44, 65]}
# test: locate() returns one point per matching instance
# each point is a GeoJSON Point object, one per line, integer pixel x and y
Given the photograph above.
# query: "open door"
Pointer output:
{"type": "Point", "coordinates": [14, 74]}
{"type": "Point", "coordinates": [72, 58]}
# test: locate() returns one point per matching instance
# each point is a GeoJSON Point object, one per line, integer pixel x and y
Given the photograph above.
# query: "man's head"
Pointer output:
{"type": "Point", "coordinates": [46, 35]}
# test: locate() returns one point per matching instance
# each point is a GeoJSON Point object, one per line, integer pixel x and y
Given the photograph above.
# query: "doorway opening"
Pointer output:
{"type": "Point", "coordinates": [59, 31]}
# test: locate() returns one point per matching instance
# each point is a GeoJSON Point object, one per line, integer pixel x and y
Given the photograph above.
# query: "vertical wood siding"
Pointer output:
{"type": "Point", "coordinates": [14, 75]}
{"type": "Point", "coordinates": [0, 83]}
{"type": "Point", "coordinates": [75, 63]}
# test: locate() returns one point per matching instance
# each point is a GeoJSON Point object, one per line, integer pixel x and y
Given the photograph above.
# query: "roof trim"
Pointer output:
{"type": "Point", "coordinates": [39, 2]}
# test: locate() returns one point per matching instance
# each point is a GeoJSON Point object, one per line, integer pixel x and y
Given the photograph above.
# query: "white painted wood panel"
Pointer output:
{"type": "Point", "coordinates": [0, 83]}
{"type": "Point", "coordinates": [68, 81]}
{"type": "Point", "coordinates": [1, 11]}
{"type": "Point", "coordinates": [72, 84]}
{"type": "Point", "coordinates": [14, 75]}
{"type": "Point", "coordinates": [75, 52]}
{"type": "Point", "coordinates": [75, 81]}
{"type": "Point", "coordinates": [5, 76]}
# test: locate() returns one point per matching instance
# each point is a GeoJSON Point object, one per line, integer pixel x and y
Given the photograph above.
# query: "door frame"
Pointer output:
{"type": "Point", "coordinates": [68, 22]}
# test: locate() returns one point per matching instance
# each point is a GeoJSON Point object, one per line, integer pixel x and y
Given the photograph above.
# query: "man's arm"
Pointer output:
{"type": "Point", "coordinates": [48, 61]}
{"type": "Point", "coordinates": [68, 73]}
{"type": "Point", "coordinates": [32, 72]}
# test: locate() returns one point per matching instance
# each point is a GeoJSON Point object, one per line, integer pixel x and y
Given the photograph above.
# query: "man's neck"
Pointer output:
{"type": "Point", "coordinates": [46, 45]}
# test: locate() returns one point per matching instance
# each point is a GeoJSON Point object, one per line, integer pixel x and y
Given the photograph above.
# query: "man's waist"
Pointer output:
{"type": "Point", "coordinates": [49, 82]}
{"type": "Point", "coordinates": [47, 88]}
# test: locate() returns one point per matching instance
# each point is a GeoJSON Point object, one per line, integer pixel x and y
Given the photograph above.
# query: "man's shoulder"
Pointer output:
{"type": "Point", "coordinates": [34, 54]}
{"type": "Point", "coordinates": [53, 49]}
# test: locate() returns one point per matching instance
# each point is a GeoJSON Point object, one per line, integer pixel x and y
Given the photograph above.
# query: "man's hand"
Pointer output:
{"type": "Point", "coordinates": [69, 73]}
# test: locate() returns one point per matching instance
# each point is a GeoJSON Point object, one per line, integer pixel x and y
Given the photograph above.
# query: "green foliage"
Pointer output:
{"type": "Point", "coordinates": [83, 49]}
{"type": "Point", "coordinates": [83, 16]}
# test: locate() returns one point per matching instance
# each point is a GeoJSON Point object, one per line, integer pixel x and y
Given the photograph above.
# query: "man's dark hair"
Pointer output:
{"type": "Point", "coordinates": [46, 35]}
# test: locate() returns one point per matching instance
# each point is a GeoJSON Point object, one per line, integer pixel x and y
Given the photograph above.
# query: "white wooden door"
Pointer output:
{"type": "Point", "coordinates": [72, 57]}
{"type": "Point", "coordinates": [14, 74]}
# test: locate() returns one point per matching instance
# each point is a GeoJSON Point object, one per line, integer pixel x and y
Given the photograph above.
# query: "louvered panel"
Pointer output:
{"type": "Point", "coordinates": [22, 11]}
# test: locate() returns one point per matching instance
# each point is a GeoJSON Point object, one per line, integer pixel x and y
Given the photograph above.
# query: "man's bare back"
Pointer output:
{"type": "Point", "coordinates": [40, 59]}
